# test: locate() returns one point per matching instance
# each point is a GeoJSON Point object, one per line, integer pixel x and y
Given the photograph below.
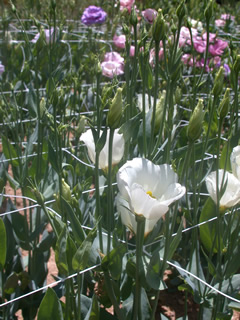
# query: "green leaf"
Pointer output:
{"type": "Point", "coordinates": [174, 243]}
{"type": "Point", "coordinates": [78, 232]}
{"type": "Point", "coordinates": [229, 286]}
{"type": "Point", "coordinates": [93, 313]}
{"type": "Point", "coordinates": [52, 156]}
{"type": "Point", "coordinates": [61, 252]}
{"type": "Point", "coordinates": [130, 128]}
{"type": "Point", "coordinates": [153, 277]}
{"type": "Point", "coordinates": [113, 261]}
{"type": "Point", "coordinates": [50, 307]}
{"type": "Point", "coordinates": [3, 241]}
{"type": "Point", "coordinates": [11, 283]}
{"type": "Point", "coordinates": [80, 259]}
{"type": "Point", "coordinates": [9, 151]}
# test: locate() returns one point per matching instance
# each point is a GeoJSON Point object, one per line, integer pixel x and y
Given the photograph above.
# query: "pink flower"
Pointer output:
{"type": "Point", "coordinates": [2, 68]}
{"type": "Point", "coordinates": [119, 41]}
{"type": "Point", "coordinates": [199, 44]}
{"type": "Point", "coordinates": [126, 4]}
{"type": "Point", "coordinates": [149, 15]}
{"type": "Point", "coordinates": [220, 23]}
{"type": "Point", "coordinates": [111, 69]}
{"type": "Point", "coordinates": [218, 47]}
{"type": "Point", "coordinates": [113, 64]}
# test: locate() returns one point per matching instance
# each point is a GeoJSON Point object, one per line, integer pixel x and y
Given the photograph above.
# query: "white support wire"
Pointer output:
{"type": "Point", "coordinates": [53, 284]}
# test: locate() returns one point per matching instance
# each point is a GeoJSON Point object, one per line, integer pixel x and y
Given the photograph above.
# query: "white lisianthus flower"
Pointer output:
{"type": "Point", "coordinates": [117, 149]}
{"type": "Point", "coordinates": [147, 104]}
{"type": "Point", "coordinates": [235, 162]}
{"type": "Point", "coordinates": [227, 181]}
{"type": "Point", "coordinates": [146, 189]}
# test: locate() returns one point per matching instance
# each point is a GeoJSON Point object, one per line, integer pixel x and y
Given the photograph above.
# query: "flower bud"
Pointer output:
{"type": "Point", "coordinates": [236, 66]}
{"type": "Point", "coordinates": [195, 122]}
{"type": "Point", "coordinates": [218, 82]}
{"type": "Point", "coordinates": [133, 17]}
{"type": "Point", "coordinates": [159, 112]}
{"type": "Point", "coordinates": [208, 12]}
{"type": "Point", "coordinates": [224, 105]}
{"type": "Point", "coordinates": [42, 107]}
{"type": "Point", "coordinates": [81, 125]}
{"type": "Point", "coordinates": [66, 191]}
{"type": "Point", "coordinates": [181, 10]}
{"type": "Point", "coordinates": [159, 27]}
{"type": "Point", "coordinates": [115, 111]}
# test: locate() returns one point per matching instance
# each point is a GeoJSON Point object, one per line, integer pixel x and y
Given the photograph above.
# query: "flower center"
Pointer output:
{"type": "Point", "coordinates": [150, 194]}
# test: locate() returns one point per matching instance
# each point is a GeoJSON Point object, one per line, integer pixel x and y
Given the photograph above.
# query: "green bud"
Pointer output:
{"type": "Point", "coordinates": [224, 105]}
{"type": "Point", "coordinates": [159, 112]}
{"type": "Point", "coordinates": [195, 122]}
{"type": "Point", "coordinates": [208, 12]}
{"type": "Point", "coordinates": [159, 27]}
{"type": "Point", "coordinates": [181, 10]}
{"type": "Point", "coordinates": [133, 17]}
{"type": "Point", "coordinates": [125, 29]}
{"type": "Point", "coordinates": [236, 66]}
{"type": "Point", "coordinates": [66, 191]}
{"type": "Point", "coordinates": [218, 82]}
{"type": "Point", "coordinates": [42, 107]}
{"type": "Point", "coordinates": [39, 196]}
{"type": "Point", "coordinates": [115, 111]}
{"type": "Point", "coordinates": [81, 125]}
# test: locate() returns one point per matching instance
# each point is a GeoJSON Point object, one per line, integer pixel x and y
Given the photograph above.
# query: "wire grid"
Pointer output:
{"type": "Point", "coordinates": [178, 267]}
{"type": "Point", "coordinates": [79, 33]}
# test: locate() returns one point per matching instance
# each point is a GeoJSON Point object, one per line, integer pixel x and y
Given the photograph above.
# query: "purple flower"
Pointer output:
{"type": "Point", "coordinates": [2, 68]}
{"type": "Point", "coordinates": [149, 15]}
{"type": "Point", "coordinates": [93, 15]}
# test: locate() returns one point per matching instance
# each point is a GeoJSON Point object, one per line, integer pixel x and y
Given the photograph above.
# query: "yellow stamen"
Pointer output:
{"type": "Point", "coordinates": [150, 194]}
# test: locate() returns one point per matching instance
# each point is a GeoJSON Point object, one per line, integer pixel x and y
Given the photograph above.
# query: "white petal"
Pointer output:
{"type": "Point", "coordinates": [143, 204]}
{"type": "Point", "coordinates": [231, 195]}
{"type": "Point", "coordinates": [154, 178]}
{"type": "Point", "coordinates": [87, 138]}
{"type": "Point", "coordinates": [173, 193]}
{"type": "Point", "coordinates": [235, 161]}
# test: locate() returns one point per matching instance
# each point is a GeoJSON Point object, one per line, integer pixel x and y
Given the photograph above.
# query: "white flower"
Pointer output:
{"type": "Point", "coordinates": [146, 189]}
{"type": "Point", "coordinates": [147, 104]}
{"type": "Point", "coordinates": [235, 162]}
{"type": "Point", "coordinates": [117, 150]}
{"type": "Point", "coordinates": [227, 181]}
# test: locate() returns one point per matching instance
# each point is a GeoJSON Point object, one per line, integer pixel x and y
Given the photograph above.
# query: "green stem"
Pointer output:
{"type": "Point", "coordinates": [112, 296]}
{"type": "Point", "coordinates": [110, 192]}
{"type": "Point", "coordinates": [139, 267]}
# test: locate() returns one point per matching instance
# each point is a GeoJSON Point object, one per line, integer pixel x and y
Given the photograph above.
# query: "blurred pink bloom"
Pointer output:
{"type": "Point", "coordinates": [119, 41]}
{"type": "Point", "coordinates": [185, 36]}
{"type": "Point", "coordinates": [199, 44]}
{"type": "Point", "coordinates": [2, 68]}
{"type": "Point", "coordinates": [226, 16]}
{"type": "Point", "coordinates": [187, 59]}
{"type": "Point", "coordinates": [113, 56]}
{"type": "Point", "coordinates": [113, 64]}
{"type": "Point", "coordinates": [126, 4]}
{"type": "Point", "coordinates": [220, 23]}
{"type": "Point", "coordinates": [212, 37]}
{"type": "Point", "coordinates": [49, 35]}
{"type": "Point", "coordinates": [152, 56]}
{"type": "Point", "coordinates": [218, 47]}
{"type": "Point", "coordinates": [132, 51]}
{"type": "Point", "coordinates": [149, 15]}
